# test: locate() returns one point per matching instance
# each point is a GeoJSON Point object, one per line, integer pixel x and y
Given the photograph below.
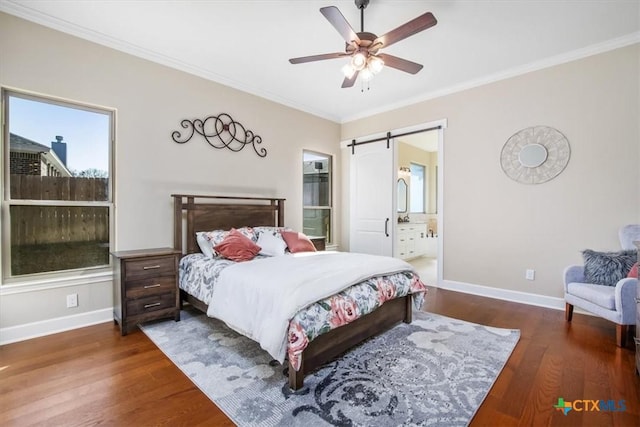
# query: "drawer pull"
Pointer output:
{"type": "Point", "coordinates": [637, 300]}
{"type": "Point", "coordinates": [155, 304]}
{"type": "Point", "coordinates": [151, 267]}
{"type": "Point", "coordinates": [157, 285]}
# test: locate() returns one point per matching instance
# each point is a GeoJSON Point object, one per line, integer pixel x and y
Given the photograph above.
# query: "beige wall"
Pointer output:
{"type": "Point", "coordinates": [495, 228]}
{"type": "Point", "coordinates": [151, 100]}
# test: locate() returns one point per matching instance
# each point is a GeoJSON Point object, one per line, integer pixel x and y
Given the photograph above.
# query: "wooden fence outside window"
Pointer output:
{"type": "Point", "coordinates": [33, 224]}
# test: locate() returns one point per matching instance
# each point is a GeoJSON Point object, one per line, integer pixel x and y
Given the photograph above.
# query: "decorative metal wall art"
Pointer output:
{"type": "Point", "coordinates": [535, 155]}
{"type": "Point", "coordinates": [220, 132]}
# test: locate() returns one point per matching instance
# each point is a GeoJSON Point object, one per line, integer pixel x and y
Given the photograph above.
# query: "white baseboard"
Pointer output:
{"type": "Point", "coordinates": [61, 324]}
{"type": "Point", "coordinates": [504, 294]}
{"type": "Point", "coordinates": [53, 326]}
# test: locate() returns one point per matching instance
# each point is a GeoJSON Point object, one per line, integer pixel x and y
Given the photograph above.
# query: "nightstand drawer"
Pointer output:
{"type": "Point", "coordinates": [152, 303]}
{"type": "Point", "coordinates": [149, 287]}
{"type": "Point", "coordinates": [149, 267]}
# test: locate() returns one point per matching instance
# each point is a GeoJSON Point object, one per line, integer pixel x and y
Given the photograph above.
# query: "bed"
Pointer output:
{"type": "Point", "coordinates": [198, 213]}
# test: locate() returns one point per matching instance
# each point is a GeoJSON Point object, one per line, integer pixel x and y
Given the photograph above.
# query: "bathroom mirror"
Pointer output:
{"type": "Point", "coordinates": [402, 195]}
{"type": "Point", "coordinates": [532, 155]}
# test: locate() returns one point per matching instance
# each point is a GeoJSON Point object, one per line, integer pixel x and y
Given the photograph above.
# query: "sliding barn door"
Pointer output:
{"type": "Point", "coordinates": [372, 199]}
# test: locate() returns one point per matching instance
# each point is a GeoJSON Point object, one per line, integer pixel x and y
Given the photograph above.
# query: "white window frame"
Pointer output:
{"type": "Point", "coordinates": [424, 188]}
{"type": "Point", "coordinates": [52, 278]}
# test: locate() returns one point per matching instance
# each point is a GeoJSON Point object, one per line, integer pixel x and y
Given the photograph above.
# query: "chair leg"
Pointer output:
{"type": "Point", "coordinates": [568, 312]}
{"type": "Point", "coordinates": [621, 335]}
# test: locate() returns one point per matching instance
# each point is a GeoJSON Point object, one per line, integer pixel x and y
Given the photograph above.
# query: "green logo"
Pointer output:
{"type": "Point", "coordinates": [563, 406]}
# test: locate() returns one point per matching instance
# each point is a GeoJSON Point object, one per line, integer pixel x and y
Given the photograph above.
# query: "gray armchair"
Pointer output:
{"type": "Point", "coordinates": [614, 303]}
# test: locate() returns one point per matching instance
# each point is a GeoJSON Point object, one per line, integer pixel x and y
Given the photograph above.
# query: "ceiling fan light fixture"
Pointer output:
{"type": "Point", "coordinates": [359, 60]}
{"type": "Point", "coordinates": [348, 70]}
{"type": "Point", "coordinates": [366, 74]}
{"type": "Point", "coordinates": [375, 64]}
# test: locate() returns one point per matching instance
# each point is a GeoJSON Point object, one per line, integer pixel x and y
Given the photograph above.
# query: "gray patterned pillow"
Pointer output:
{"type": "Point", "coordinates": [607, 268]}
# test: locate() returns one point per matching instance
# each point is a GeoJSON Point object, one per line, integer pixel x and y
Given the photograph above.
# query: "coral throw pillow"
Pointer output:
{"type": "Point", "coordinates": [298, 242]}
{"type": "Point", "coordinates": [633, 273]}
{"type": "Point", "coordinates": [237, 247]}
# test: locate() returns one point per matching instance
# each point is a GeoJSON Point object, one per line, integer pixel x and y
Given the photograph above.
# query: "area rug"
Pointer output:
{"type": "Point", "coordinates": [435, 371]}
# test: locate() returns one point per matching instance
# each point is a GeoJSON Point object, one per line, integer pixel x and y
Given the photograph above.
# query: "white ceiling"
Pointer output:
{"type": "Point", "coordinates": [247, 44]}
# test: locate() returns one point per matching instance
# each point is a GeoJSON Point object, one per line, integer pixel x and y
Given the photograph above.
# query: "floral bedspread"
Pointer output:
{"type": "Point", "coordinates": [198, 275]}
{"type": "Point", "coordinates": [347, 306]}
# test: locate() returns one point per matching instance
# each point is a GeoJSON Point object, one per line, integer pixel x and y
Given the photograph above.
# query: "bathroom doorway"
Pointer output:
{"type": "Point", "coordinates": [374, 172]}
{"type": "Point", "coordinates": [418, 196]}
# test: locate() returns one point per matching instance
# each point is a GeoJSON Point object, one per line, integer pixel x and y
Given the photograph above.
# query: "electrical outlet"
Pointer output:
{"type": "Point", "coordinates": [72, 300]}
{"type": "Point", "coordinates": [530, 274]}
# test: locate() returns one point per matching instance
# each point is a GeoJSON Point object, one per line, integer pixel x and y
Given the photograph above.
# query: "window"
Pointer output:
{"type": "Point", "coordinates": [316, 185]}
{"type": "Point", "coordinates": [58, 189]}
{"type": "Point", "coordinates": [417, 188]}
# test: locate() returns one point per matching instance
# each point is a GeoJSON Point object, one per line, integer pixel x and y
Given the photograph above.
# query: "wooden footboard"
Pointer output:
{"type": "Point", "coordinates": [328, 346]}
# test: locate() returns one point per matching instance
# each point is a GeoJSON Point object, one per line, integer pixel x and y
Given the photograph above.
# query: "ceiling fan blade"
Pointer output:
{"type": "Point", "coordinates": [399, 63]}
{"type": "Point", "coordinates": [348, 82]}
{"type": "Point", "coordinates": [410, 28]}
{"type": "Point", "coordinates": [312, 58]}
{"type": "Point", "coordinates": [339, 22]}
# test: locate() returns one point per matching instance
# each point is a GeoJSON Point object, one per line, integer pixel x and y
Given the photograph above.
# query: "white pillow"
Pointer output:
{"type": "Point", "coordinates": [271, 245]}
{"type": "Point", "coordinates": [205, 245]}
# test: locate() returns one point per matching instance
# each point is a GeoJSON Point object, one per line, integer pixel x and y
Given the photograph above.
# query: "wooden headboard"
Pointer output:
{"type": "Point", "coordinates": [208, 213]}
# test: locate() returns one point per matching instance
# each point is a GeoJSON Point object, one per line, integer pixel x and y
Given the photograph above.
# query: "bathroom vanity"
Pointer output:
{"type": "Point", "coordinates": [411, 240]}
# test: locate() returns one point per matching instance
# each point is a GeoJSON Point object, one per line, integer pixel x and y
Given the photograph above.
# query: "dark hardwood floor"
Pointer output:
{"type": "Point", "coordinates": [93, 376]}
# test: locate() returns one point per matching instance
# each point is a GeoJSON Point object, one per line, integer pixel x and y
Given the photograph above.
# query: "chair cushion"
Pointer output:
{"type": "Point", "coordinates": [604, 296]}
{"type": "Point", "coordinates": [607, 268]}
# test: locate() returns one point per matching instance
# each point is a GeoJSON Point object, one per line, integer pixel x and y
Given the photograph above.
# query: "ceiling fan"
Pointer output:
{"type": "Point", "coordinates": [364, 47]}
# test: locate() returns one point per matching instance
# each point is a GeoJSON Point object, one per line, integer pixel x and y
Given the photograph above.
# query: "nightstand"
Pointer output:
{"type": "Point", "coordinates": [145, 286]}
{"type": "Point", "coordinates": [319, 242]}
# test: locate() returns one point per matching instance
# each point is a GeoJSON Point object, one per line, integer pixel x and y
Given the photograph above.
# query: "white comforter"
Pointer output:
{"type": "Point", "coordinates": [258, 298]}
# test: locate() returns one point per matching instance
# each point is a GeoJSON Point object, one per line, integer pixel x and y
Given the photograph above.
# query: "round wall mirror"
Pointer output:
{"type": "Point", "coordinates": [532, 155]}
{"type": "Point", "coordinates": [535, 155]}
